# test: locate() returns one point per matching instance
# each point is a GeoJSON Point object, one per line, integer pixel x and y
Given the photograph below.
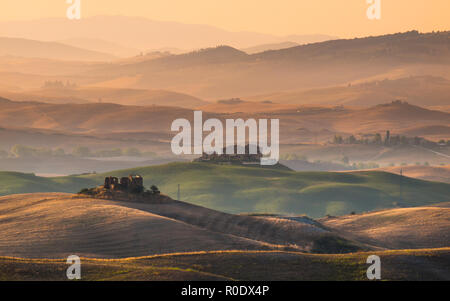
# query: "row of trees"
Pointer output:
{"type": "Point", "coordinates": [59, 85]}
{"type": "Point", "coordinates": [23, 151]}
{"type": "Point", "coordinates": [345, 160]}
{"type": "Point", "coordinates": [293, 157]}
{"type": "Point", "coordinates": [388, 140]}
{"type": "Point", "coordinates": [154, 190]}
{"type": "Point", "coordinates": [83, 151]}
{"type": "Point", "coordinates": [354, 165]}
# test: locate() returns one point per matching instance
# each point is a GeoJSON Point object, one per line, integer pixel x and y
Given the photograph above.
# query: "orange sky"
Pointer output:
{"type": "Point", "coordinates": [344, 18]}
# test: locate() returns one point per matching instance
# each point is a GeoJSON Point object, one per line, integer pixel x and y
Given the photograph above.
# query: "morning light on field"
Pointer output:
{"type": "Point", "coordinates": [256, 141]}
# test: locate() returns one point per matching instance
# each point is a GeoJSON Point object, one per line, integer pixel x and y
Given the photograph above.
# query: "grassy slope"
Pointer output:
{"type": "Point", "coordinates": [253, 189]}
{"type": "Point", "coordinates": [392, 228]}
{"type": "Point", "coordinates": [15, 182]}
{"type": "Point", "coordinates": [54, 225]}
{"type": "Point", "coordinates": [426, 264]}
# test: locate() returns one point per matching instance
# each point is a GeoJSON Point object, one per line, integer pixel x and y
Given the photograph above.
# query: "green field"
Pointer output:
{"type": "Point", "coordinates": [238, 189]}
{"type": "Point", "coordinates": [15, 182]}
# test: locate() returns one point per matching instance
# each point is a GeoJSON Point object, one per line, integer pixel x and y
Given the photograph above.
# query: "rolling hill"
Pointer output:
{"type": "Point", "coordinates": [435, 131]}
{"type": "Point", "coordinates": [51, 50]}
{"type": "Point", "coordinates": [91, 117]}
{"type": "Point", "coordinates": [237, 189]}
{"type": "Point", "coordinates": [402, 228]}
{"type": "Point", "coordinates": [227, 72]}
{"type": "Point", "coordinates": [96, 44]}
{"type": "Point", "coordinates": [15, 182]}
{"type": "Point", "coordinates": [418, 90]}
{"type": "Point", "coordinates": [273, 46]}
{"type": "Point", "coordinates": [88, 117]}
{"type": "Point", "coordinates": [247, 189]}
{"type": "Point", "coordinates": [397, 115]}
{"type": "Point", "coordinates": [53, 225]}
{"type": "Point", "coordinates": [428, 173]}
{"type": "Point", "coordinates": [135, 97]}
{"type": "Point", "coordinates": [124, 240]}
{"type": "Point", "coordinates": [54, 139]}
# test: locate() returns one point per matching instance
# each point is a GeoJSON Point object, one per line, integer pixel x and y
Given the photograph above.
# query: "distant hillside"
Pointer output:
{"type": "Point", "coordinates": [99, 45]}
{"type": "Point", "coordinates": [227, 72]}
{"type": "Point", "coordinates": [15, 182]}
{"type": "Point", "coordinates": [296, 123]}
{"type": "Point", "coordinates": [242, 106]}
{"type": "Point", "coordinates": [418, 90]}
{"type": "Point", "coordinates": [90, 116]}
{"type": "Point", "coordinates": [402, 110]}
{"type": "Point", "coordinates": [136, 97]}
{"type": "Point", "coordinates": [266, 47]}
{"type": "Point", "coordinates": [392, 48]}
{"type": "Point", "coordinates": [398, 116]}
{"type": "Point", "coordinates": [428, 173]}
{"type": "Point", "coordinates": [308, 70]}
{"type": "Point", "coordinates": [215, 55]}
{"type": "Point", "coordinates": [142, 33]}
{"type": "Point", "coordinates": [51, 50]}
{"type": "Point", "coordinates": [303, 165]}
{"type": "Point", "coordinates": [253, 189]}
{"type": "Point", "coordinates": [432, 130]}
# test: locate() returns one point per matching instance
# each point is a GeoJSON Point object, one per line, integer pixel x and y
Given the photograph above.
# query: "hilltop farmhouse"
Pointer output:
{"type": "Point", "coordinates": [130, 184]}
{"type": "Point", "coordinates": [234, 155]}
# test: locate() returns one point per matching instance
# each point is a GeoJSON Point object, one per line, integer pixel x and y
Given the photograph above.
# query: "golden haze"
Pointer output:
{"type": "Point", "coordinates": [281, 17]}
